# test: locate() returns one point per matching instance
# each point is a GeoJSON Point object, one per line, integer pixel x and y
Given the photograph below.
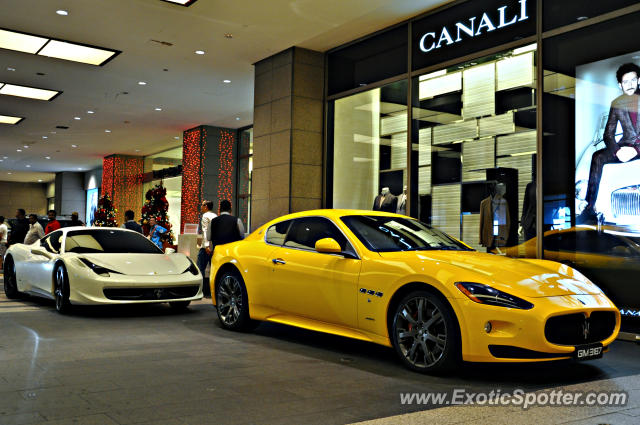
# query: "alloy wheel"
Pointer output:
{"type": "Point", "coordinates": [421, 332]}
{"type": "Point", "coordinates": [229, 300]}
{"type": "Point", "coordinates": [59, 291]}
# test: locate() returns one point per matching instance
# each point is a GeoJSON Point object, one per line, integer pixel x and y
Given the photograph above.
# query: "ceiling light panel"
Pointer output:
{"type": "Point", "coordinates": [28, 92]}
{"type": "Point", "coordinates": [76, 52]}
{"type": "Point", "coordinates": [186, 3]}
{"type": "Point", "coordinates": [6, 119]}
{"type": "Point", "coordinates": [21, 42]}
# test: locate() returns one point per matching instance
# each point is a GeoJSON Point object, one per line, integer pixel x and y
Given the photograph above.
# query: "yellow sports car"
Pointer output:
{"type": "Point", "coordinates": [392, 280]}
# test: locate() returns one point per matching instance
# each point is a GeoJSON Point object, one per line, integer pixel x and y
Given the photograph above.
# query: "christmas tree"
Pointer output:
{"type": "Point", "coordinates": [156, 205]}
{"type": "Point", "coordinates": [105, 215]}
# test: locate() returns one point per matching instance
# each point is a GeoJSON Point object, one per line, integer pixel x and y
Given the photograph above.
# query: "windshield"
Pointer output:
{"type": "Point", "coordinates": [384, 234]}
{"type": "Point", "coordinates": [109, 242]}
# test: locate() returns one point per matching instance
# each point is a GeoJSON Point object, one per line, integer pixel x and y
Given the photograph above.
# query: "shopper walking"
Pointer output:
{"type": "Point", "coordinates": [53, 223]}
{"type": "Point", "coordinates": [19, 227]}
{"type": "Point", "coordinates": [204, 253]}
{"type": "Point", "coordinates": [4, 232]}
{"type": "Point", "coordinates": [130, 223]}
{"type": "Point", "coordinates": [35, 232]}
{"type": "Point", "coordinates": [155, 232]}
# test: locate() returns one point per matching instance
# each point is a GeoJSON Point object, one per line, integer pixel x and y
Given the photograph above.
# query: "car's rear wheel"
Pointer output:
{"type": "Point", "coordinates": [10, 279]}
{"type": "Point", "coordinates": [61, 290]}
{"type": "Point", "coordinates": [424, 333]}
{"type": "Point", "coordinates": [232, 301]}
{"type": "Point", "coordinates": [179, 305]}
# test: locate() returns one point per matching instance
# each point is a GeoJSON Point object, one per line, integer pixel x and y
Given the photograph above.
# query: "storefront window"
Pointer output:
{"type": "Point", "coordinates": [370, 149]}
{"type": "Point", "coordinates": [245, 169]}
{"type": "Point", "coordinates": [592, 156]}
{"type": "Point", "coordinates": [165, 164]}
{"type": "Point", "coordinates": [473, 145]}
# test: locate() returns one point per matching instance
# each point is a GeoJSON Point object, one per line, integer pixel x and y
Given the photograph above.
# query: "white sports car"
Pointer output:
{"type": "Point", "coordinates": [94, 265]}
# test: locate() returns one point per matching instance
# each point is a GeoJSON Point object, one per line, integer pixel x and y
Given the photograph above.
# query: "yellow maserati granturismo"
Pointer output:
{"type": "Point", "coordinates": [392, 280]}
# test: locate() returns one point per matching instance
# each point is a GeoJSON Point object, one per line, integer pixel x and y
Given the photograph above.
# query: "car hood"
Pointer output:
{"type": "Point", "coordinates": [527, 278]}
{"type": "Point", "coordinates": [141, 264]}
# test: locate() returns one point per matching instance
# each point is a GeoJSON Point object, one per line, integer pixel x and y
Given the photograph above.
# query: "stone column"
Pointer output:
{"type": "Point", "coordinates": [70, 195]}
{"type": "Point", "coordinates": [288, 125]}
{"type": "Point", "coordinates": [122, 181]}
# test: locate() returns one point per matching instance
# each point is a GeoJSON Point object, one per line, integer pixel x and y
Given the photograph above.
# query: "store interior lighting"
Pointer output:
{"type": "Point", "coordinates": [27, 92]}
{"type": "Point", "coordinates": [185, 3]}
{"type": "Point", "coordinates": [7, 119]}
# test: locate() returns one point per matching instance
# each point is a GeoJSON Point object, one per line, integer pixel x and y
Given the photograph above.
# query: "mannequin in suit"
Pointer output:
{"type": "Point", "coordinates": [402, 202]}
{"type": "Point", "coordinates": [495, 221]}
{"type": "Point", "coordinates": [386, 201]}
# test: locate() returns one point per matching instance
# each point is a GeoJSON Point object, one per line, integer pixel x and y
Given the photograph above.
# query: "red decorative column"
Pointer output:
{"type": "Point", "coordinates": [122, 181]}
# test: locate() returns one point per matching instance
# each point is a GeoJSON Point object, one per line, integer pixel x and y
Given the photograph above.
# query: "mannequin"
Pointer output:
{"type": "Point", "coordinates": [386, 201]}
{"type": "Point", "coordinates": [402, 202]}
{"type": "Point", "coordinates": [528, 219]}
{"type": "Point", "coordinates": [495, 221]}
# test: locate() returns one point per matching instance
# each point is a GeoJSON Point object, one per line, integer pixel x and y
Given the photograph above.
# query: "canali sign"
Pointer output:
{"type": "Point", "coordinates": [475, 26]}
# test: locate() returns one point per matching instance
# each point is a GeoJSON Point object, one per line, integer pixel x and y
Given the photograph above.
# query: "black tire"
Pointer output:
{"type": "Point", "coordinates": [61, 289]}
{"type": "Point", "coordinates": [232, 302]}
{"type": "Point", "coordinates": [425, 334]}
{"type": "Point", "coordinates": [179, 305]}
{"type": "Point", "coordinates": [10, 280]}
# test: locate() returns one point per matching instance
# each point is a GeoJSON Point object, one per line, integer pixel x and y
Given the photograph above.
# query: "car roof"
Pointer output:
{"type": "Point", "coordinates": [72, 228]}
{"type": "Point", "coordinates": [334, 213]}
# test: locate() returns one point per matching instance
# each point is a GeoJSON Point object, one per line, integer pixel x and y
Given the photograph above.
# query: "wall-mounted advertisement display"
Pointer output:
{"type": "Point", "coordinates": [92, 205]}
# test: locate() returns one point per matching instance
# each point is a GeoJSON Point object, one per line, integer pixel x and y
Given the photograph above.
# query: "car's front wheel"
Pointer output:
{"type": "Point", "coordinates": [424, 333]}
{"type": "Point", "coordinates": [10, 279]}
{"type": "Point", "coordinates": [61, 290]}
{"type": "Point", "coordinates": [232, 301]}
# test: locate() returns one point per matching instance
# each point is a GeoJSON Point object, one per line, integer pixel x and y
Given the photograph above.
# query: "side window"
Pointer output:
{"type": "Point", "coordinates": [305, 232]}
{"type": "Point", "coordinates": [275, 234]}
{"type": "Point", "coordinates": [52, 242]}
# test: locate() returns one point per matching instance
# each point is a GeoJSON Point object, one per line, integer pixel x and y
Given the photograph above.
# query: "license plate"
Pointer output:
{"type": "Point", "coordinates": [588, 352]}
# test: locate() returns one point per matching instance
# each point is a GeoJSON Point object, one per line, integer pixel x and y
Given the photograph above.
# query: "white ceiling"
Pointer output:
{"type": "Point", "coordinates": [188, 87]}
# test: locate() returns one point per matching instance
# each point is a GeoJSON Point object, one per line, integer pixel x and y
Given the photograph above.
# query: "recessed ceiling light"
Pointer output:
{"type": "Point", "coordinates": [6, 119]}
{"type": "Point", "coordinates": [18, 150]}
{"type": "Point", "coordinates": [28, 166]}
{"type": "Point", "coordinates": [9, 173]}
{"type": "Point", "coordinates": [199, 52]}
{"type": "Point", "coordinates": [28, 92]}
{"type": "Point", "coordinates": [62, 12]}
{"type": "Point", "coordinates": [107, 131]}
{"type": "Point", "coordinates": [74, 146]}
{"type": "Point", "coordinates": [21, 42]}
{"type": "Point", "coordinates": [77, 118]}
{"type": "Point", "coordinates": [185, 3]}
{"type": "Point", "coordinates": [5, 157]}
{"type": "Point", "coordinates": [10, 69]}
{"type": "Point", "coordinates": [40, 180]}
{"type": "Point", "coordinates": [228, 35]}
{"type": "Point", "coordinates": [52, 132]}
{"type": "Point", "coordinates": [47, 157]}
{"type": "Point", "coordinates": [237, 118]}
{"type": "Point", "coordinates": [26, 146]}
{"type": "Point", "coordinates": [89, 112]}
{"type": "Point", "coordinates": [226, 81]}
{"type": "Point", "coordinates": [176, 137]}
{"type": "Point", "coordinates": [45, 137]}
{"type": "Point", "coordinates": [137, 150]}
{"type": "Point", "coordinates": [158, 109]}
{"type": "Point", "coordinates": [142, 83]}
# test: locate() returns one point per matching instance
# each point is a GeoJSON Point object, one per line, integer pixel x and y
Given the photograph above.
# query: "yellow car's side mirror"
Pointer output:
{"type": "Point", "coordinates": [328, 245]}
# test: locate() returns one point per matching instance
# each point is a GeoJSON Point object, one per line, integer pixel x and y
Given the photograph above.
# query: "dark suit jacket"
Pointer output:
{"type": "Point", "coordinates": [619, 112]}
{"type": "Point", "coordinates": [390, 203]}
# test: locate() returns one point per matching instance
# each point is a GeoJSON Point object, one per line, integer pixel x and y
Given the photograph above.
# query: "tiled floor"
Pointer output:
{"type": "Point", "coordinates": [150, 365]}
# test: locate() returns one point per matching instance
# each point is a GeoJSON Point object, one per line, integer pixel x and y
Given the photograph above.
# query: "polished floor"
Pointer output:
{"type": "Point", "coordinates": [151, 365]}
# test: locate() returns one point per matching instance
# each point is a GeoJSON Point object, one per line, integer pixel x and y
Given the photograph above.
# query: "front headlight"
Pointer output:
{"type": "Point", "coordinates": [99, 270]}
{"type": "Point", "coordinates": [192, 268]}
{"type": "Point", "coordinates": [483, 294]}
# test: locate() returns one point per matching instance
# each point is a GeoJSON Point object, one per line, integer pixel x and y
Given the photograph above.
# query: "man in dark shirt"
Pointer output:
{"type": "Point", "coordinates": [225, 228]}
{"type": "Point", "coordinates": [130, 223]}
{"type": "Point", "coordinates": [19, 227]}
{"type": "Point", "coordinates": [53, 223]}
{"type": "Point", "coordinates": [75, 221]}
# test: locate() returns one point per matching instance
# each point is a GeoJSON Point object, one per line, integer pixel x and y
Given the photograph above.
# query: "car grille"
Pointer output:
{"type": "Point", "coordinates": [577, 329]}
{"type": "Point", "coordinates": [165, 293]}
{"type": "Point", "coordinates": [626, 202]}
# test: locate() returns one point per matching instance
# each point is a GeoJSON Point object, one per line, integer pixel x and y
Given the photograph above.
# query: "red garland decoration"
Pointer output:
{"type": "Point", "coordinates": [156, 205]}
{"type": "Point", "coordinates": [225, 172]}
{"type": "Point", "coordinates": [105, 215]}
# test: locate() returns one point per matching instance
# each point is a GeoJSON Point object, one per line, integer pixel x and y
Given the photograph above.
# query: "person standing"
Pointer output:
{"type": "Point", "coordinates": [53, 223]}
{"type": "Point", "coordinates": [204, 254]}
{"type": "Point", "coordinates": [75, 221]}
{"type": "Point", "coordinates": [130, 223]}
{"type": "Point", "coordinates": [35, 232]}
{"type": "Point", "coordinates": [4, 231]}
{"type": "Point", "coordinates": [19, 228]}
{"type": "Point", "coordinates": [155, 232]}
{"type": "Point", "coordinates": [225, 228]}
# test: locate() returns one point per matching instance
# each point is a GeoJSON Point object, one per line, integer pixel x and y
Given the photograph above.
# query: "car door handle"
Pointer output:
{"type": "Point", "coordinates": [278, 261]}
